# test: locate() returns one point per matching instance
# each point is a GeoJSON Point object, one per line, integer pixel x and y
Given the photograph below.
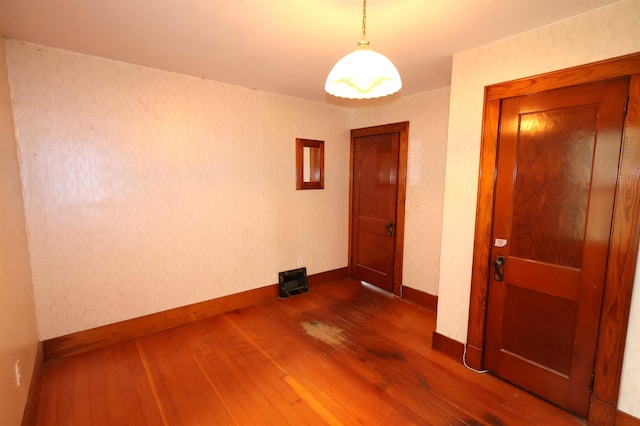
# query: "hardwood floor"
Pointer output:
{"type": "Point", "coordinates": [343, 353]}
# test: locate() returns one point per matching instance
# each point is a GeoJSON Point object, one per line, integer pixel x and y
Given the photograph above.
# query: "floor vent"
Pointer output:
{"type": "Point", "coordinates": [293, 282]}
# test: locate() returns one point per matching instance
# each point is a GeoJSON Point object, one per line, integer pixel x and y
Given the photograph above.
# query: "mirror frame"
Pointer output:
{"type": "Point", "coordinates": [319, 168]}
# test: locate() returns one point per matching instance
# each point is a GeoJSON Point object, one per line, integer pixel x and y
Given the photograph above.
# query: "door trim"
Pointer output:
{"type": "Point", "coordinates": [403, 129]}
{"type": "Point", "coordinates": [625, 232]}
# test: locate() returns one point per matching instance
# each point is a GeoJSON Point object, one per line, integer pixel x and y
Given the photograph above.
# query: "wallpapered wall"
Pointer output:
{"type": "Point", "coordinates": [18, 335]}
{"type": "Point", "coordinates": [630, 386]}
{"type": "Point", "coordinates": [427, 114]}
{"type": "Point", "coordinates": [604, 33]}
{"type": "Point", "coordinates": [146, 190]}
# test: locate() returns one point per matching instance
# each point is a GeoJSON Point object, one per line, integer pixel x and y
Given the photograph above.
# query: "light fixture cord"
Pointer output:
{"type": "Point", "coordinates": [364, 20]}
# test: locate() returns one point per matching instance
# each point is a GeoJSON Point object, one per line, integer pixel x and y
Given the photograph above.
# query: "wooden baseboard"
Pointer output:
{"type": "Point", "coordinates": [100, 337]}
{"type": "Point", "coordinates": [421, 298]}
{"type": "Point", "coordinates": [30, 415]}
{"type": "Point", "coordinates": [624, 419]}
{"type": "Point", "coordinates": [328, 276]}
{"type": "Point", "coordinates": [447, 346]}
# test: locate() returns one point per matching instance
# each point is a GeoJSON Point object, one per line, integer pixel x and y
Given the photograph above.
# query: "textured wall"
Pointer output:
{"type": "Point", "coordinates": [18, 336]}
{"type": "Point", "coordinates": [630, 387]}
{"type": "Point", "coordinates": [147, 190]}
{"type": "Point", "coordinates": [604, 33]}
{"type": "Point", "coordinates": [427, 114]}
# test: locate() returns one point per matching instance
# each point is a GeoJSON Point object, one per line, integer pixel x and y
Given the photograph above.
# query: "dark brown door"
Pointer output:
{"type": "Point", "coordinates": [375, 195]}
{"type": "Point", "coordinates": [557, 168]}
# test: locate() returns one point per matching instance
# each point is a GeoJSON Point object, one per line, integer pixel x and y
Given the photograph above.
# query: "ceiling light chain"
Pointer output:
{"type": "Point", "coordinates": [364, 21]}
{"type": "Point", "coordinates": [363, 74]}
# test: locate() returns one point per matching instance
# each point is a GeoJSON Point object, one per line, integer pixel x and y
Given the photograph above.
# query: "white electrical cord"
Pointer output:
{"type": "Point", "coordinates": [464, 361]}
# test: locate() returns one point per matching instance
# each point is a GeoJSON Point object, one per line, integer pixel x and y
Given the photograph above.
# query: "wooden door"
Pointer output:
{"type": "Point", "coordinates": [375, 218]}
{"type": "Point", "coordinates": [558, 154]}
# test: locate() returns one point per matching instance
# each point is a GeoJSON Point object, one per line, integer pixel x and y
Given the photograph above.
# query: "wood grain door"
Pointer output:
{"type": "Point", "coordinates": [558, 154]}
{"type": "Point", "coordinates": [375, 196]}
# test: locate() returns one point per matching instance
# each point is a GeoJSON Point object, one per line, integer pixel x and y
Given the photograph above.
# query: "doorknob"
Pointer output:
{"type": "Point", "coordinates": [498, 267]}
{"type": "Point", "coordinates": [390, 229]}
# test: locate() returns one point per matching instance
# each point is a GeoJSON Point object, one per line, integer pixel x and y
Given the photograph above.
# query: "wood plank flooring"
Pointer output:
{"type": "Point", "coordinates": [342, 354]}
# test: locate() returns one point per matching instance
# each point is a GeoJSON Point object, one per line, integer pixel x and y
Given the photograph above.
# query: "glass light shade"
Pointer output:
{"type": "Point", "coordinates": [363, 74]}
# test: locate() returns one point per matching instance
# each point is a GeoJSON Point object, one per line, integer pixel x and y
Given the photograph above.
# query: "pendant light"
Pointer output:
{"type": "Point", "coordinates": [363, 74]}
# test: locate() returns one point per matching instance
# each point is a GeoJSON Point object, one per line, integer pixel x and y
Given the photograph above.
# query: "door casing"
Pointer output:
{"type": "Point", "coordinates": [402, 128]}
{"type": "Point", "coordinates": [625, 232]}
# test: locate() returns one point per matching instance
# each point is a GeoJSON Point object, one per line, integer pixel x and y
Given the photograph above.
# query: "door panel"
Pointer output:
{"type": "Point", "coordinates": [552, 185]}
{"type": "Point", "coordinates": [374, 208]}
{"type": "Point", "coordinates": [558, 154]}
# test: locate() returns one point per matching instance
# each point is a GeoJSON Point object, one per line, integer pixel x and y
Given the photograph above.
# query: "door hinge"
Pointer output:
{"type": "Point", "coordinates": [353, 147]}
{"type": "Point", "coordinates": [593, 379]}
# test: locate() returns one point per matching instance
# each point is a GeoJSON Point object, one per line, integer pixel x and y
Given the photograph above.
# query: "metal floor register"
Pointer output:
{"type": "Point", "coordinates": [293, 282]}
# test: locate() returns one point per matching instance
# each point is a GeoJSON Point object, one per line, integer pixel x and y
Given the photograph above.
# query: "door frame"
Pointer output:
{"type": "Point", "coordinates": [625, 231]}
{"type": "Point", "coordinates": [402, 128]}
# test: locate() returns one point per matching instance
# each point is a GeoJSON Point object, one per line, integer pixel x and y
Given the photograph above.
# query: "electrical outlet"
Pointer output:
{"type": "Point", "coordinates": [18, 373]}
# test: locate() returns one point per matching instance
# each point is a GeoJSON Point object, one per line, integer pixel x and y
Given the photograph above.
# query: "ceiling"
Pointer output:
{"type": "Point", "coordinates": [281, 46]}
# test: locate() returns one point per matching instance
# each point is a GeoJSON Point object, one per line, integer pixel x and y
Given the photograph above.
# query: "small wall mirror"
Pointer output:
{"type": "Point", "coordinates": [309, 164]}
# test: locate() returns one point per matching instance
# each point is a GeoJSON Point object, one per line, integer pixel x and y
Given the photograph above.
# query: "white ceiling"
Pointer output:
{"type": "Point", "coordinates": [281, 46]}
